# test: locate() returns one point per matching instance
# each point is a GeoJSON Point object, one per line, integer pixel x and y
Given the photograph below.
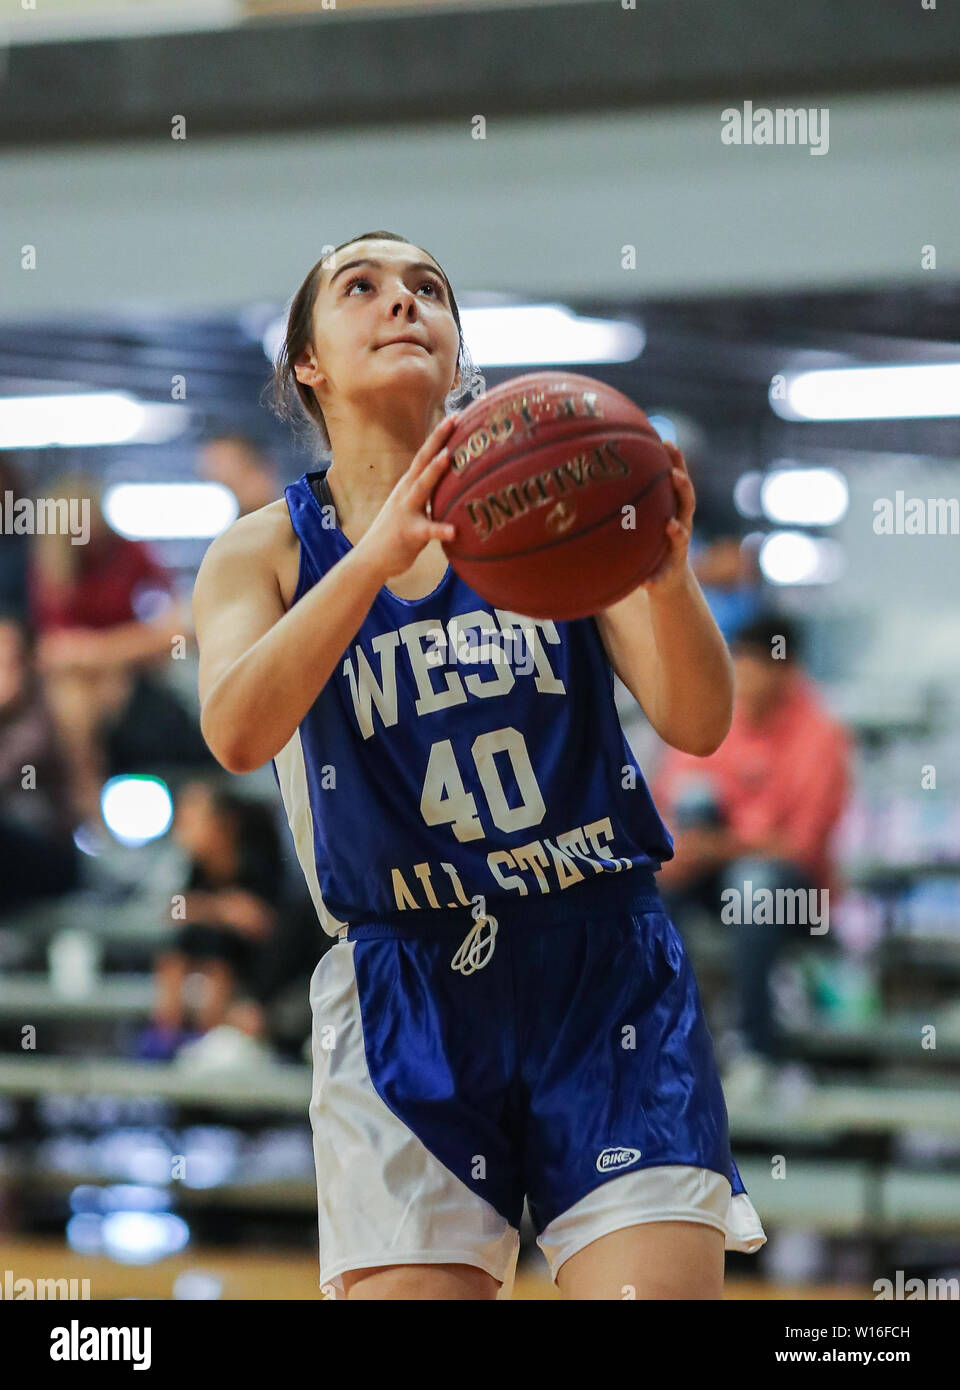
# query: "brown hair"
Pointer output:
{"type": "Point", "coordinates": [296, 403]}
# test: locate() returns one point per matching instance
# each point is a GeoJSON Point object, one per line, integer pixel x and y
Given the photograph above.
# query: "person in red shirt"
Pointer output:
{"type": "Point", "coordinates": [760, 811]}
{"type": "Point", "coordinates": [102, 612]}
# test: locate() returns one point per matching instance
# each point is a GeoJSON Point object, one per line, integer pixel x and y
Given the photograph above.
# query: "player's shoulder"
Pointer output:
{"type": "Point", "coordinates": [262, 538]}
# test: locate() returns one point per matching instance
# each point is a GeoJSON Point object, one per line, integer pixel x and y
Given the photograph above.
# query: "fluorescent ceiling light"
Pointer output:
{"type": "Point", "coordinates": [805, 496]}
{"type": "Point", "coordinates": [746, 494]}
{"type": "Point", "coordinates": [870, 393]}
{"type": "Point", "coordinates": [520, 335]}
{"type": "Point", "coordinates": [93, 417]}
{"type": "Point", "coordinates": [791, 557]}
{"type": "Point", "coordinates": [166, 511]}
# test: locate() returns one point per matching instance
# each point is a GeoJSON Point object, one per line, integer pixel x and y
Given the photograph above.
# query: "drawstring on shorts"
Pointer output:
{"type": "Point", "coordinates": [614, 893]}
{"type": "Point", "coordinates": [470, 954]}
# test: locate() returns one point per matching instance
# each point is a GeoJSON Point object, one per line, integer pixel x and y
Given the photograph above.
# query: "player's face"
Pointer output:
{"type": "Point", "coordinates": [395, 291]}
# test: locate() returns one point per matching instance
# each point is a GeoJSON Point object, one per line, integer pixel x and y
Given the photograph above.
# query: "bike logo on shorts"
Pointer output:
{"type": "Point", "coordinates": [616, 1158]}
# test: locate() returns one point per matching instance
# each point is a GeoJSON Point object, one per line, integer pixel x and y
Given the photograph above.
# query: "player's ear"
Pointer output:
{"type": "Point", "coordinates": [305, 369]}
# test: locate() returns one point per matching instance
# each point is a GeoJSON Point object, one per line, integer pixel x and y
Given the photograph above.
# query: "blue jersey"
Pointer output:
{"type": "Point", "coordinates": [456, 750]}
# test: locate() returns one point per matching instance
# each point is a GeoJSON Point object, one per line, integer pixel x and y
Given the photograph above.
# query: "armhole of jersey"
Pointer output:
{"type": "Point", "coordinates": [320, 488]}
{"type": "Point", "coordinates": [321, 491]}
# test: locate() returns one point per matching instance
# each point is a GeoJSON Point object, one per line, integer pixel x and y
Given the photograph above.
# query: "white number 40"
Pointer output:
{"type": "Point", "coordinates": [446, 801]}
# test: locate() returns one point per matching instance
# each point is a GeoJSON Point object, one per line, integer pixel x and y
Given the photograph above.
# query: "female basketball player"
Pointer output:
{"type": "Point", "coordinates": [508, 1012]}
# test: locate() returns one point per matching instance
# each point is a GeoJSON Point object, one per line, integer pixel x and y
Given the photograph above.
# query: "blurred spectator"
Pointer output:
{"type": "Point", "coordinates": [238, 462]}
{"type": "Point", "coordinates": [730, 578]}
{"type": "Point", "coordinates": [759, 811]}
{"type": "Point", "coordinates": [105, 615]}
{"type": "Point", "coordinates": [277, 1008]}
{"type": "Point", "coordinates": [14, 551]}
{"type": "Point", "coordinates": [231, 898]}
{"type": "Point", "coordinates": [37, 852]}
{"type": "Point", "coordinates": [727, 569]}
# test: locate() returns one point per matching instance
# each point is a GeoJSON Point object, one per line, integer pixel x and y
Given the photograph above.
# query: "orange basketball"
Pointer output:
{"type": "Point", "coordinates": [560, 491]}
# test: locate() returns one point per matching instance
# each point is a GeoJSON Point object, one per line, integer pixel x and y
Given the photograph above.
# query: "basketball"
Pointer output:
{"type": "Point", "coordinates": [560, 491]}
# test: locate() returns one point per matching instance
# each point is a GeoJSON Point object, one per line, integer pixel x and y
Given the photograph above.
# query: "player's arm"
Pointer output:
{"type": "Point", "coordinates": [665, 646]}
{"type": "Point", "coordinates": [262, 667]}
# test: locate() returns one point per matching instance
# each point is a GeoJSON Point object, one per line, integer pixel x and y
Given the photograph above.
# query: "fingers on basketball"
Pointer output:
{"type": "Point", "coordinates": [686, 499]}
{"type": "Point", "coordinates": [427, 454]}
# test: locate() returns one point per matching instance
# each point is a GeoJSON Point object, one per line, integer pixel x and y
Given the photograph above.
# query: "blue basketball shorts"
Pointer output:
{"type": "Point", "coordinates": [555, 1052]}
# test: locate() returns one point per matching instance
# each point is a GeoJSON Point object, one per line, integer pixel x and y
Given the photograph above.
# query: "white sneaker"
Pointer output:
{"type": "Point", "coordinates": [747, 1080]}
{"type": "Point", "coordinates": [793, 1085]}
{"type": "Point", "coordinates": [223, 1049]}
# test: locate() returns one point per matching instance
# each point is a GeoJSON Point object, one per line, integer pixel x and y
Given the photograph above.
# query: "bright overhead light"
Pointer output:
{"type": "Point", "coordinates": [746, 494]}
{"type": "Point", "coordinates": [805, 496]}
{"type": "Point", "coordinates": [518, 335]}
{"type": "Point", "coordinates": [791, 557]}
{"type": "Point", "coordinates": [664, 427]}
{"type": "Point", "coordinates": [94, 417]}
{"type": "Point", "coordinates": [140, 1237]}
{"type": "Point", "coordinates": [165, 511]}
{"type": "Point", "coordinates": [273, 336]}
{"type": "Point", "coordinates": [136, 808]}
{"type": "Point", "coordinates": [870, 393]}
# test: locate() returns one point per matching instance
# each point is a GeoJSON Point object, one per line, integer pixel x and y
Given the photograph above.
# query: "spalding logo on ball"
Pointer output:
{"type": "Point", "coordinates": [560, 491]}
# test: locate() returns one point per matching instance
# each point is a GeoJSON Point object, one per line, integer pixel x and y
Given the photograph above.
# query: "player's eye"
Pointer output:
{"type": "Point", "coordinates": [348, 289]}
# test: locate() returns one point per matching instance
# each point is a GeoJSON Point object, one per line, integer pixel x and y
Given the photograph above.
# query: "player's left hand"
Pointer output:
{"type": "Point", "coordinates": [673, 566]}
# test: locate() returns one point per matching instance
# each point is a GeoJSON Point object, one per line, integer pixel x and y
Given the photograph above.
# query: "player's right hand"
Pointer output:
{"type": "Point", "coordinates": [403, 526]}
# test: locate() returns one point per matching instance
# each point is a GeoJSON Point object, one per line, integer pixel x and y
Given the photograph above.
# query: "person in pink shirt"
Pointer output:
{"type": "Point", "coordinates": [759, 813]}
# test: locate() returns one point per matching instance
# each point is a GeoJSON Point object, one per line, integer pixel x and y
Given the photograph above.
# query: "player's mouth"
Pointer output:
{"type": "Point", "coordinates": [406, 338]}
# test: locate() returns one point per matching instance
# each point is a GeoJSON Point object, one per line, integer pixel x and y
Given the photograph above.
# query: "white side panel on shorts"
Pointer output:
{"type": "Point", "coordinates": [382, 1197]}
{"type": "Point", "coordinates": [669, 1192]}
